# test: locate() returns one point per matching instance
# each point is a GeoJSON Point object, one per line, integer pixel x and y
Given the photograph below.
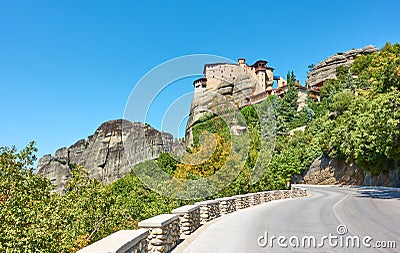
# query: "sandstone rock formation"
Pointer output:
{"type": "Point", "coordinates": [227, 95]}
{"type": "Point", "coordinates": [326, 69]}
{"type": "Point", "coordinates": [327, 171]}
{"type": "Point", "coordinates": [104, 154]}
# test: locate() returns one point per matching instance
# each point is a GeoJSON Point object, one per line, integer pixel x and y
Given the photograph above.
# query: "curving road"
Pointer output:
{"type": "Point", "coordinates": [368, 216]}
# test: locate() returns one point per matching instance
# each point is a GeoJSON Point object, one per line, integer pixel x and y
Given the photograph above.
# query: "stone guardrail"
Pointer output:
{"type": "Point", "coordinates": [134, 241]}
{"type": "Point", "coordinates": [226, 205]}
{"type": "Point", "coordinates": [162, 232]}
{"type": "Point", "coordinates": [246, 201]}
{"type": "Point", "coordinates": [254, 199]}
{"type": "Point", "coordinates": [189, 218]}
{"type": "Point", "coordinates": [209, 210]}
{"type": "Point", "coordinates": [239, 199]}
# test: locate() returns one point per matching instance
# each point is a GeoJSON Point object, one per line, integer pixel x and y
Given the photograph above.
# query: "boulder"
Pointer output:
{"type": "Point", "coordinates": [108, 154]}
{"type": "Point", "coordinates": [326, 171]}
{"type": "Point", "coordinates": [326, 69]}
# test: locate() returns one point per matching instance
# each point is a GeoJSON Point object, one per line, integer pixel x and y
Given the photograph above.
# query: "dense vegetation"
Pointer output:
{"type": "Point", "coordinates": [358, 118]}
{"type": "Point", "coordinates": [359, 113]}
{"type": "Point", "coordinates": [34, 220]}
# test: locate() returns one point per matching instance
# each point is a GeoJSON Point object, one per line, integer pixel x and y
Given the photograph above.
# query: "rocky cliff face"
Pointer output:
{"type": "Point", "coordinates": [104, 154]}
{"type": "Point", "coordinates": [226, 95]}
{"type": "Point", "coordinates": [326, 69]}
{"type": "Point", "coordinates": [327, 171]}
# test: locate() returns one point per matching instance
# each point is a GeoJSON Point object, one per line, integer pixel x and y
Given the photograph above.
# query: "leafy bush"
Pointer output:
{"type": "Point", "coordinates": [35, 220]}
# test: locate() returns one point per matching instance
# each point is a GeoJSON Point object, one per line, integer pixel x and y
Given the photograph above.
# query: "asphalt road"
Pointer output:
{"type": "Point", "coordinates": [365, 215]}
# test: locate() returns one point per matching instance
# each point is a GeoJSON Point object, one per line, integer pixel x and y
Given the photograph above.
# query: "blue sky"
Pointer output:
{"type": "Point", "coordinates": [68, 66]}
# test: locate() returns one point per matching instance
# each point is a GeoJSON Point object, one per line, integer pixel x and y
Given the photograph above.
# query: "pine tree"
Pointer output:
{"type": "Point", "coordinates": [289, 104]}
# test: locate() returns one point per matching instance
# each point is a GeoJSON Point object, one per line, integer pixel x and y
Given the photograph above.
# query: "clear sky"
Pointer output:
{"type": "Point", "coordinates": [68, 66]}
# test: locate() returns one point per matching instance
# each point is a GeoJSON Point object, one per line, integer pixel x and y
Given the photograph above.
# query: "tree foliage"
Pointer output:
{"type": "Point", "coordinates": [167, 163]}
{"type": "Point", "coordinates": [361, 120]}
{"type": "Point", "coordinates": [35, 220]}
{"type": "Point", "coordinates": [288, 105]}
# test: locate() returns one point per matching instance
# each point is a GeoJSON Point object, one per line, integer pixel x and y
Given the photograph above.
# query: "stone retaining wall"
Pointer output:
{"type": "Point", "coordinates": [265, 196]}
{"type": "Point", "coordinates": [286, 194]}
{"type": "Point", "coordinates": [239, 199]}
{"type": "Point", "coordinates": [254, 199]}
{"type": "Point", "coordinates": [209, 210]}
{"type": "Point", "coordinates": [276, 195]}
{"type": "Point", "coordinates": [132, 241]}
{"type": "Point", "coordinates": [246, 201]}
{"type": "Point", "coordinates": [189, 218]}
{"type": "Point", "coordinates": [161, 233]}
{"type": "Point", "coordinates": [226, 205]}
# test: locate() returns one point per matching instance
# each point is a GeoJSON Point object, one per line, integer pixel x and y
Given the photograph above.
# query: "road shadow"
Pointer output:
{"type": "Point", "coordinates": [378, 193]}
{"type": "Point", "coordinates": [179, 242]}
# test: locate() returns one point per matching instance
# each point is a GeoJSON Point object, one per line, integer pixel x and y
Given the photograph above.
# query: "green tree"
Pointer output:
{"type": "Point", "coordinates": [85, 210]}
{"type": "Point", "coordinates": [167, 163]}
{"type": "Point", "coordinates": [310, 68]}
{"type": "Point", "coordinates": [35, 220]}
{"type": "Point", "coordinates": [291, 95]}
{"type": "Point", "coordinates": [380, 70]}
{"type": "Point", "coordinates": [376, 137]}
{"type": "Point", "coordinates": [288, 105]}
{"type": "Point", "coordinates": [24, 204]}
{"type": "Point", "coordinates": [342, 101]}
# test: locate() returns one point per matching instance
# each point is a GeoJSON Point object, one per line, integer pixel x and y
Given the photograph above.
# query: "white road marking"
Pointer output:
{"type": "Point", "coordinates": [334, 209]}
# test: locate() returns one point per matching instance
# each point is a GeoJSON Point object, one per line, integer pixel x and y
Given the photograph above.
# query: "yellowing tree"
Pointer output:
{"type": "Point", "coordinates": [205, 159]}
